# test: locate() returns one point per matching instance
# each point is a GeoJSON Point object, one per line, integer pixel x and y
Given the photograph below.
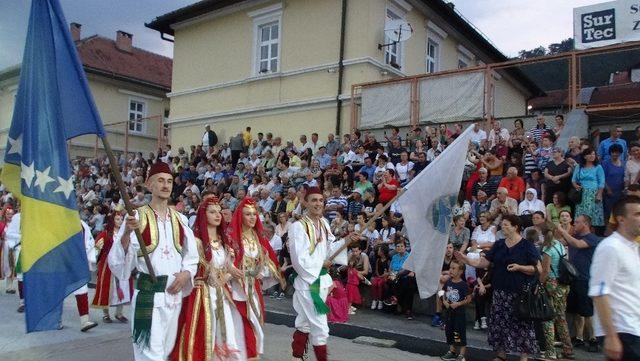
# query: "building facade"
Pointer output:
{"type": "Point", "coordinates": [129, 86]}
{"type": "Point", "coordinates": [287, 67]}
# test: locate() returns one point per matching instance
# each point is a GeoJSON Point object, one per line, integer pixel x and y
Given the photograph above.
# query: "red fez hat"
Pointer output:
{"type": "Point", "coordinates": [159, 167]}
{"type": "Point", "coordinates": [312, 190]}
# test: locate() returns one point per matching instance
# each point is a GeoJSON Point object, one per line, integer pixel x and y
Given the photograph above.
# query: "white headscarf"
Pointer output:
{"type": "Point", "coordinates": [530, 207]}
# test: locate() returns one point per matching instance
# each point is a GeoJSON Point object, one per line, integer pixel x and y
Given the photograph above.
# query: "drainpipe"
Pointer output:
{"type": "Point", "coordinates": [343, 26]}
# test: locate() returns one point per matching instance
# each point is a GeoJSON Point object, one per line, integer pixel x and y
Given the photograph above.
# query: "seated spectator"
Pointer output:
{"type": "Point", "coordinates": [514, 184]}
{"type": "Point", "coordinates": [503, 205]}
{"type": "Point", "coordinates": [337, 301]}
{"type": "Point", "coordinates": [559, 204]}
{"type": "Point", "coordinates": [531, 203]}
{"type": "Point", "coordinates": [484, 235]}
{"type": "Point", "coordinates": [404, 281]}
{"type": "Point", "coordinates": [480, 205]}
{"type": "Point", "coordinates": [357, 271]}
{"type": "Point", "coordinates": [459, 234]}
{"type": "Point", "coordinates": [355, 205]}
{"type": "Point", "coordinates": [379, 277]}
{"type": "Point", "coordinates": [483, 184]}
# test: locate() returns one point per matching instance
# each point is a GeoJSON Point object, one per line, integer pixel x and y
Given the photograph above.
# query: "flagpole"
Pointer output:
{"type": "Point", "coordinates": [371, 220]}
{"type": "Point", "coordinates": [115, 170]}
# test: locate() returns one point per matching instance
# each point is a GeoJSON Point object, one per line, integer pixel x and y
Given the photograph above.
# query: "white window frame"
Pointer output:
{"type": "Point", "coordinates": [465, 56]}
{"type": "Point", "coordinates": [399, 47]}
{"type": "Point", "coordinates": [261, 18]}
{"type": "Point", "coordinates": [463, 61]}
{"type": "Point", "coordinates": [142, 114]}
{"type": "Point", "coordinates": [435, 59]}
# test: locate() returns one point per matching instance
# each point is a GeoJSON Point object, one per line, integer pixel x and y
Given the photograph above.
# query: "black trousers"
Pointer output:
{"type": "Point", "coordinates": [405, 289]}
{"type": "Point", "coordinates": [235, 155]}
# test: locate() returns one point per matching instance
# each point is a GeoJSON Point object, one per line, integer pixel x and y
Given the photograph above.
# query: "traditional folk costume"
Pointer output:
{"type": "Point", "coordinates": [172, 249]}
{"type": "Point", "coordinates": [254, 256]}
{"type": "Point", "coordinates": [13, 240]}
{"type": "Point", "coordinates": [206, 330]}
{"type": "Point", "coordinates": [310, 245]}
{"type": "Point", "coordinates": [109, 291]}
{"type": "Point", "coordinates": [82, 293]}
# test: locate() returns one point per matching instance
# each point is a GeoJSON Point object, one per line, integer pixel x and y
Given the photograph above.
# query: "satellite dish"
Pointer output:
{"type": "Point", "coordinates": [398, 30]}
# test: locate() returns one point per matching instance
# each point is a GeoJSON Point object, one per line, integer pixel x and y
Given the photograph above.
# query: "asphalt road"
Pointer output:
{"type": "Point", "coordinates": [112, 341]}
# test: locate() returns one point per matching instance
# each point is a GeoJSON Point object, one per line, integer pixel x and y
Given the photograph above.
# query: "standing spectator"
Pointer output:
{"type": "Point", "coordinates": [582, 244]}
{"type": "Point", "coordinates": [574, 153]}
{"type": "Point", "coordinates": [632, 168]}
{"type": "Point", "coordinates": [456, 296]}
{"type": "Point", "coordinates": [237, 146]}
{"type": "Point", "coordinates": [541, 129]}
{"type": "Point", "coordinates": [614, 178]}
{"type": "Point", "coordinates": [552, 252]}
{"type": "Point", "coordinates": [514, 184]}
{"type": "Point", "coordinates": [246, 138]}
{"type": "Point", "coordinates": [209, 139]}
{"type": "Point", "coordinates": [588, 178]}
{"type": "Point", "coordinates": [557, 174]}
{"type": "Point", "coordinates": [515, 261]}
{"type": "Point", "coordinates": [615, 281]}
{"type": "Point", "coordinates": [615, 133]}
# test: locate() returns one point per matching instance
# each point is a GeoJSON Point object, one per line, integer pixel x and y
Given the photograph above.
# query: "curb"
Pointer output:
{"type": "Point", "coordinates": [409, 343]}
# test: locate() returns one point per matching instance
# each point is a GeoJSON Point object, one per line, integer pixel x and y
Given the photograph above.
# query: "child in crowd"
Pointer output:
{"type": "Point", "coordinates": [380, 275]}
{"type": "Point", "coordinates": [337, 300]}
{"type": "Point", "coordinates": [455, 296]}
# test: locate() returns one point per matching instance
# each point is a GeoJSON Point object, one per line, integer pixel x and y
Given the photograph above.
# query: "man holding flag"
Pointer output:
{"type": "Point", "coordinates": [53, 104]}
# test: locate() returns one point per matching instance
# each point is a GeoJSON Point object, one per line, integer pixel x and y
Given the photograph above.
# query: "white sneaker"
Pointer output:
{"type": "Point", "coordinates": [476, 326]}
{"type": "Point", "coordinates": [374, 304]}
{"type": "Point", "coordinates": [483, 323]}
{"type": "Point", "coordinates": [379, 305]}
{"type": "Point", "coordinates": [352, 309]}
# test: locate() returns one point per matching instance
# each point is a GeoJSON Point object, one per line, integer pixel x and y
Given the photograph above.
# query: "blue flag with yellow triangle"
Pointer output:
{"type": "Point", "coordinates": [53, 104]}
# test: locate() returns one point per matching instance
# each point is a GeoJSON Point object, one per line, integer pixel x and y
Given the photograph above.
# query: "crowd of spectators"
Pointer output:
{"type": "Point", "coordinates": [517, 187]}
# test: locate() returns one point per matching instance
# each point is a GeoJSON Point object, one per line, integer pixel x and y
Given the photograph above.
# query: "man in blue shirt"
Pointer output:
{"type": "Point", "coordinates": [615, 134]}
{"type": "Point", "coordinates": [323, 158]}
{"type": "Point", "coordinates": [368, 168]}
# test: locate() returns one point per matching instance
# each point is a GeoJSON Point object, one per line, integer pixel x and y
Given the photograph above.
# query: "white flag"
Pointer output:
{"type": "Point", "coordinates": [427, 211]}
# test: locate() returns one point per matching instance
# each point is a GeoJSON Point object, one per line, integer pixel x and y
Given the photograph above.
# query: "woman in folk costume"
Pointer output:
{"type": "Point", "coordinates": [109, 290]}
{"type": "Point", "coordinates": [206, 329]}
{"type": "Point", "coordinates": [258, 264]}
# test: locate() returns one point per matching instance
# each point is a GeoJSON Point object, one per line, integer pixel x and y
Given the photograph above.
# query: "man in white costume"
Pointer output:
{"type": "Point", "coordinates": [311, 244]}
{"type": "Point", "coordinates": [174, 258]}
{"type": "Point", "coordinates": [13, 240]}
{"type": "Point", "coordinates": [7, 263]}
{"type": "Point", "coordinates": [82, 293]}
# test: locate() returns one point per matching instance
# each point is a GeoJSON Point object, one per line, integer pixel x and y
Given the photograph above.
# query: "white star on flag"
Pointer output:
{"type": "Point", "coordinates": [42, 178]}
{"type": "Point", "coordinates": [66, 186]}
{"type": "Point", "coordinates": [15, 145]}
{"type": "Point", "coordinates": [27, 173]}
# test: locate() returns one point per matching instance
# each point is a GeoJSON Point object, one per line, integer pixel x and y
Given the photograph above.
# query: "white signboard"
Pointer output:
{"type": "Point", "coordinates": [606, 23]}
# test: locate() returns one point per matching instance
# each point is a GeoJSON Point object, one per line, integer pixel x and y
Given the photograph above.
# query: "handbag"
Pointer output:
{"type": "Point", "coordinates": [575, 195]}
{"type": "Point", "coordinates": [567, 272]}
{"type": "Point", "coordinates": [534, 303]}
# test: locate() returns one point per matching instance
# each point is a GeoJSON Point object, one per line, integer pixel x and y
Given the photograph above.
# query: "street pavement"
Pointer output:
{"type": "Point", "coordinates": [112, 341]}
